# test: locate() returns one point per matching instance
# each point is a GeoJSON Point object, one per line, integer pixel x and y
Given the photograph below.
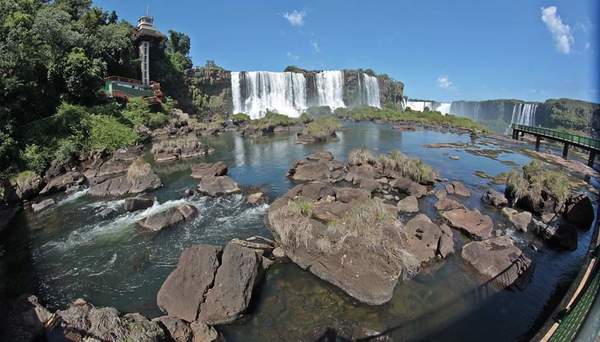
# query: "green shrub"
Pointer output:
{"type": "Point", "coordinates": [34, 157]}
{"type": "Point", "coordinates": [67, 149]}
{"type": "Point", "coordinates": [302, 206]}
{"type": "Point", "coordinates": [21, 177]}
{"type": "Point", "coordinates": [305, 118]}
{"type": "Point", "coordinates": [240, 118]}
{"type": "Point", "coordinates": [535, 179]}
{"type": "Point", "coordinates": [412, 168]}
{"type": "Point", "coordinates": [107, 132]}
{"type": "Point", "coordinates": [322, 127]}
{"type": "Point", "coordinates": [156, 120]}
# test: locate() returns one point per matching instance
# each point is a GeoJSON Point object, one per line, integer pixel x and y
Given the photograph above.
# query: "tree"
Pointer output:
{"type": "Point", "coordinates": [83, 76]}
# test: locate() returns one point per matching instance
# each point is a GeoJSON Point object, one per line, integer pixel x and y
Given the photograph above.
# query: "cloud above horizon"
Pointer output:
{"type": "Point", "coordinates": [561, 32]}
{"type": "Point", "coordinates": [295, 18]}
{"type": "Point", "coordinates": [444, 82]}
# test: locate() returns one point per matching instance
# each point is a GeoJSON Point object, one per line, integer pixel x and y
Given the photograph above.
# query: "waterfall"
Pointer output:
{"type": "Point", "coordinates": [256, 92]}
{"type": "Point", "coordinates": [418, 106]}
{"type": "Point", "coordinates": [442, 107]}
{"type": "Point", "coordinates": [369, 88]}
{"type": "Point", "coordinates": [330, 88]}
{"type": "Point", "coordinates": [523, 114]}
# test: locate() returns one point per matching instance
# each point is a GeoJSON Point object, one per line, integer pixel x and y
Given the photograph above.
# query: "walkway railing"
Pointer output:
{"type": "Point", "coordinates": [558, 135]}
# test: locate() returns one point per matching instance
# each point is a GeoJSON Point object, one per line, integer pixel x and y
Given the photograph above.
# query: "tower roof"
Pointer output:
{"type": "Point", "coordinates": [146, 28]}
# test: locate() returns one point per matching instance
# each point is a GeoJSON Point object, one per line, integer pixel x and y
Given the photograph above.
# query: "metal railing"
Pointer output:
{"type": "Point", "coordinates": [564, 136]}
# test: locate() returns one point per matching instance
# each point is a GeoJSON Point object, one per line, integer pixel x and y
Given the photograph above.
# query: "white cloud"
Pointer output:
{"type": "Point", "coordinates": [315, 46]}
{"type": "Point", "coordinates": [588, 45]}
{"type": "Point", "coordinates": [444, 82]}
{"type": "Point", "coordinates": [295, 18]}
{"type": "Point", "coordinates": [563, 38]}
{"type": "Point", "coordinates": [292, 56]}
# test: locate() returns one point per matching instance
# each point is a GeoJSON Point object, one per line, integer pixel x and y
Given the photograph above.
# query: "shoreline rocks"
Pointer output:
{"type": "Point", "coordinates": [471, 222]}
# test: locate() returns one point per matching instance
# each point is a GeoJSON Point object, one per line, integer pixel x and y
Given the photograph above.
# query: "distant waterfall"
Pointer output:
{"type": "Point", "coordinates": [442, 107]}
{"type": "Point", "coordinates": [369, 90]}
{"type": "Point", "coordinates": [256, 92]}
{"type": "Point", "coordinates": [330, 88]}
{"type": "Point", "coordinates": [419, 106]}
{"type": "Point", "coordinates": [524, 114]}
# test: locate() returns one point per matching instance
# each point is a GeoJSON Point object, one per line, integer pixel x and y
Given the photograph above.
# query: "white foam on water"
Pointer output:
{"type": "Point", "coordinates": [73, 196]}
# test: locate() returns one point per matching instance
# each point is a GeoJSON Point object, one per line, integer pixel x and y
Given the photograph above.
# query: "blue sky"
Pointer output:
{"type": "Point", "coordinates": [442, 50]}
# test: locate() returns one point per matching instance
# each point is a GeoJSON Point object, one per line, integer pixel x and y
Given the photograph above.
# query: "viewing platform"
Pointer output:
{"type": "Point", "coordinates": [568, 139]}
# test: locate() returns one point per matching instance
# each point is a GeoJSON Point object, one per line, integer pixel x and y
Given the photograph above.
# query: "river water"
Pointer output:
{"type": "Point", "coordinates": [70, 251]}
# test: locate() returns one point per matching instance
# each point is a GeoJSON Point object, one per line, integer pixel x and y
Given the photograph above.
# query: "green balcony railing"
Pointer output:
{"type": "Point", "coordinates": [564, 136]}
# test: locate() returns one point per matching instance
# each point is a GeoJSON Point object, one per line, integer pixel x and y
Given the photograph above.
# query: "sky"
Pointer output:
{"type": "Point", "coordinates": [441, 50]}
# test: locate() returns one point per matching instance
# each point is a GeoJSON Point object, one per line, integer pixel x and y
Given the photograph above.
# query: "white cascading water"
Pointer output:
{"type": "Point", "coordinates": [282, 92]}
{"type": "Point", "coordinates": [442, 107]}
{"type": "Point", "coordinates": [418, 106]}
{"type": "Point", "coordinates": [370, 88]}
{"type": "Point", "coordinates": [523, 114]}
{"type": "Point", "coordinates": [330, 88]}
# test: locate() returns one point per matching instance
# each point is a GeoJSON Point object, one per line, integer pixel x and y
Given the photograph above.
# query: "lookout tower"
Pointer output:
{"type": "Point", "coordinates": [146, 35]}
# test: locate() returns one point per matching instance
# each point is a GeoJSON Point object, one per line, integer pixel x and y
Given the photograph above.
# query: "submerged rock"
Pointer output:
{"type": "Point", "coordinates": [256, 198]}
{"type": "Point", "coordinates": [520, 220]}
{"type": "Point", "coordinates": [471, 222]}
{"type": "Point", "coordinates": [168, 218]}
{"type": "Point", "coordinates": [494, 256]}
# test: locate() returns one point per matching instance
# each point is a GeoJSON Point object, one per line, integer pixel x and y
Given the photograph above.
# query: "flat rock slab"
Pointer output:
{"type": "Point", "coordinates": [349, 195]}
{"type": "Point", "coordinates": [185, 288]}
{"type": "Point", "coordinates": [407, 186]}
{"type": "Point", "coordinates": [167, 218]}
{"type": "Point", "coordinates": [458, 188]}
{"type": "Point", "coordinates": [235, 280]}
{"type": "Point", "coordinates": [202, 170]}
{"type": "Point", "coordinates": [217, 186]}
{"type": "Point", "coordinates": [492, 256]}
{"type": "Point", "coordinates": [409, 204]}
{"type": "Point", "coordinates": [472, 222]}
{"type": "Point", "coordinates": [446, 204]}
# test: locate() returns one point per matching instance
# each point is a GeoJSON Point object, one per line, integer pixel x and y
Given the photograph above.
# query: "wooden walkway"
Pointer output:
{"type": "Point", "coordinates": [568, 139]}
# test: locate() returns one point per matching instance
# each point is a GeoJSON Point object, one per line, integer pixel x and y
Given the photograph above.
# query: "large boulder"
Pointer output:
{"type": "Point", "coordinates": [520, 220]}
{"type": "Point", "coordinates": [232, 290]}
{"type": "Point", "coordinates": [494, 256]}
{"type": "Point", "coordinates": [318, 166]}
{"type": "Point", "coordinates": [205, 333]}
{"type": "Point", "coordinates": [407, 186]}
{"type": "Point", "coordinates": [28, 186]}
{"type": "Point", "coordinates": [118, 178]}
{"type": "Point", "coordinates": [409, 204]}
{"type": "Point", "coordinates": [471, 222]}
{"type": "Point", "coordinates": [185, 288]}
{"type": "Point", "coordinates": [62, 182]}
{"type": "Point", "coordinates": [216, 186]}
{"type": "Point", "coordinates": [202, 170]}
{"type": "Point", "coordinates": [494, 198]}
{"type": "Point", "coordinates": [424, 238]}
{"type": "Point", "coordinates": [167, 218]}
{"type": "Point", "coordinates": [580, 211]}
{"type": "Point", "coordinates": [363, 252]}
{"type": "Point", "coordinates": [561, 236]}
